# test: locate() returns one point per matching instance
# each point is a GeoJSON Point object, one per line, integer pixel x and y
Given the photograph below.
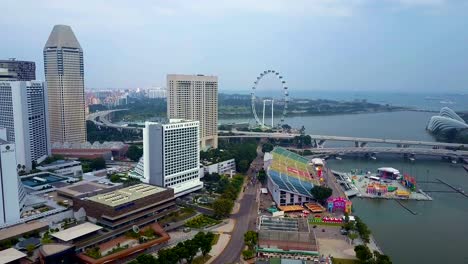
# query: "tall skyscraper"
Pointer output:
{"type": "Point", "coordinates": [171, 155]}
{"type": "Point", "coordinates": [14, 70]}
{"type": "Point", "coordinates": [64, 73]}
{"type": "Point", "coordinates": [9, 187]}
{"type": "Point", "coordinates": [195, 97]}
{"type": "Point", "coordinates": [24, 115]}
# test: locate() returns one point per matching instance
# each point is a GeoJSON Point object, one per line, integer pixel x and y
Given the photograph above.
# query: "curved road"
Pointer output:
{"type": "Point", "coordinates": [245, 218]}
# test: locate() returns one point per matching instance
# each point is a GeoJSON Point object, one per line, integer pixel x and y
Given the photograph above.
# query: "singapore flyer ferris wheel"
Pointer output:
{"type": "Point", "coordinates": [282, 102]}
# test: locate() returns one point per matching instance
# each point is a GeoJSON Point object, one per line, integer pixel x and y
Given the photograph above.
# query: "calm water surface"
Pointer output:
{"type": "Point", "coordinates": [439, 233]}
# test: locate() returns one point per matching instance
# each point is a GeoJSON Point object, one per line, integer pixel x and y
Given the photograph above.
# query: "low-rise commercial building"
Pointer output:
{"type": "Point", "coordinates": [141, 203]}
{"type": "Point", "coordinates": [222, 168]}
{"type": "Point", "coordinates": [107, 150]}
{"type": "Point", "coordinates": [85, 189]}
{"type": "Point", "coordinates": [77, 232]}
{"type": "Point", "coordinates": [286, 237]}
{"type": "Point", "coordinates": [11, 255]}
{"type": "Point", "coordinates": [71, 168]}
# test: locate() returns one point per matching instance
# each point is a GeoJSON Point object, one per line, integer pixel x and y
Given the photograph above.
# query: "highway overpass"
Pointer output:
{"type": "Point", "coordinates": [101, 119]}
{"type": "Point", "coordinates": [319, 140]}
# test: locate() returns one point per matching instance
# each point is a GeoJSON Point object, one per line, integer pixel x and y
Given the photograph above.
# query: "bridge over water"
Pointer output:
{"type": "Point", "coordinates": [319, 140]}
{"type": "Point", "coordinates": [412, 147]}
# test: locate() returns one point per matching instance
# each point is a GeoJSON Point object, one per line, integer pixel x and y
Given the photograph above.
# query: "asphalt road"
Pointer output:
{"type": "Point", "coordinates": [245, 217]}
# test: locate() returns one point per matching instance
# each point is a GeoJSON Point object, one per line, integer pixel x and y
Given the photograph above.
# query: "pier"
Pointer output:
{"type": "Point", "coordinates": [404, 206]}
{"type": "Point", "coordinates": [452, 187]}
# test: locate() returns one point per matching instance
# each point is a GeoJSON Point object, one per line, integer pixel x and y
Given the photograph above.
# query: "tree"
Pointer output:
{"type": "Point", "coordinates": [352, 236]}
{"type": "Point", "coordinates": [243, 165]}
{"type": "Point", "coordinates": [222, 207]}
{"type": "Point", "coordinates": [251, 239]}
{"type": "Point", "coordinates": [321, 193]}
{"type": "Point", "coordinates": [248, 254]}
{"type": "Point", "coordinates": [145, 259]}
{"type": "Point", "coordinates": [381, 259]}
{"type": "Point", "coordinates": [30, 249]}
{"type": "Point", "coordinates": [363, 230]}
{"type": "Point", "coordinates": [348, 226]}
{"type": "Point", "coordinates": [262, 176]}
{"type": "Point", "coordinates": [222, 185]}
{"type": "Point", "coordinates": [267, 147]}
{"type": "Point", "coordinates": [204, 242]}
{"type": "Point", "coordinates": [134, 153]}
{"type": "Point", "coordinates": [96, 164]}
{"type": "Point", "coordinates": [191, 248]}
{"type": "Point", "coordinates": [363, 253]}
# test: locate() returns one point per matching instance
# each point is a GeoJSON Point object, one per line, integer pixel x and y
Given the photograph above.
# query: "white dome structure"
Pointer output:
{"type": "Point", "coordinates": [446, 120]}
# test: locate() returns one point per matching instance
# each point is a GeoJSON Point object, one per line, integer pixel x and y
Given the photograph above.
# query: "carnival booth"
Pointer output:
{"type": "Point", "coordinates": [409, 182]}
{"type": "Point", "coordinates": [339, 203]}
{"type": "Point", "coordinates": [377, 189]}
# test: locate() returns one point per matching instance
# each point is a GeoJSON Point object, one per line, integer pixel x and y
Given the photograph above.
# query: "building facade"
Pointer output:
{"type": "Point", "coordinates": [171, 155]}
{"type": "Point", "coordinates": [64, 73]}
{"type": "Point", "coordinates": [25, 117]}
{"type": "Point", "coordinates": [9, 187]}
{"type": "Point", "coordinates": [223, 167]}
{"type": "Point", "coordinates": [154, 93]}
{"type": "Point", "coordinates": [128, 206]}
{"type": "Point", "coordinates": [195, 97]}
{"type": "Point", "coordinates": [14, 70]}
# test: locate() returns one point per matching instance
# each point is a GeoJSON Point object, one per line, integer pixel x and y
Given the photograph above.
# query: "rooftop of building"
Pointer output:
{"type": "Point", "coordinates": [291, 172]}
{"type": "Point", "coordinates": [283, 224]}
{"type": "Point", "coordinates": [62, 36]}
{"type": "Point", "coordinates": [54, 248]}
{"type": "Point", "coordinates": [17, 230]}
{"type": "Point", "coordinates": [41, 178]}
{"type": "Point", "coordinates": [183, 77]}
{"type": "Point", "coordinates": [286, 234]}
{"type": "Point", "coordinates": [83, 188]}
{"type": "Point", "coordinates": [125, 195]}
{"type": "Point", "coordinates": [76, 231]}
{"type": "Point", "coordinates": [88, 145]}
{"type": "Point", "coordinates": [10, 255]}
{"type": "Point", "coordinates": [60, 163]}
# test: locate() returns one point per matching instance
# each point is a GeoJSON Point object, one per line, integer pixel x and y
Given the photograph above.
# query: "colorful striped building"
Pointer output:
{"type": "Point", "coordinates": [290, 177]}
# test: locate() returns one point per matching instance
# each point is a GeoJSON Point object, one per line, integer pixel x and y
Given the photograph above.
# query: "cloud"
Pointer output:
{"type": "Point", "coordinates": [123, 13]}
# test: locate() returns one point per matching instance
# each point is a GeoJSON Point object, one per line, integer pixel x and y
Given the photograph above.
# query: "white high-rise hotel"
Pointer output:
{"type": "Point", "coordinates": [10, 188]}
{"type": "Point", "coordinates": [23, 113]}
{"type": "Point", "coordinates": [195, 97]}
{"type": "Point", "coordinates": [171, 155]}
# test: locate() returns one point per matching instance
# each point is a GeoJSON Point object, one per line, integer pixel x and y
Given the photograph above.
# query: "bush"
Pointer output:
{"type": "Point", "coordinates": [248, 254]}
{"type": "Point", "coordinates": [93, 252]}
{"type": "Point", "coordinates": [200, 221]}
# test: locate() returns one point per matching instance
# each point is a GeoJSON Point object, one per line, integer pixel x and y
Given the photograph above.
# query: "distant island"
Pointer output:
{"type": "Point", "coordinates": [239, 106]}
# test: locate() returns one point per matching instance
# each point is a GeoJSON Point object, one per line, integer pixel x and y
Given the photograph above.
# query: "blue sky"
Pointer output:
{"type": "Point", "coordinates": [333, 45]}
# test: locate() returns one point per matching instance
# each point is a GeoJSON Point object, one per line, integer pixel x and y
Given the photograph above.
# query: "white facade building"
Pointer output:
{"type": "Point", "coordinates": [156, 93]}
{"type": "Point", "coordinates": [25, 117]}
{"type": "Point", "coordinates": [10, 185]}
{"type": "Point", "coordinates": [195, 97]}
{"type": "Point", "coordinates": [71, 168]}
{"type": "Point", "coordinates": [171, 155]}
{"type": "Point", "coordinates": [223, 167]}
